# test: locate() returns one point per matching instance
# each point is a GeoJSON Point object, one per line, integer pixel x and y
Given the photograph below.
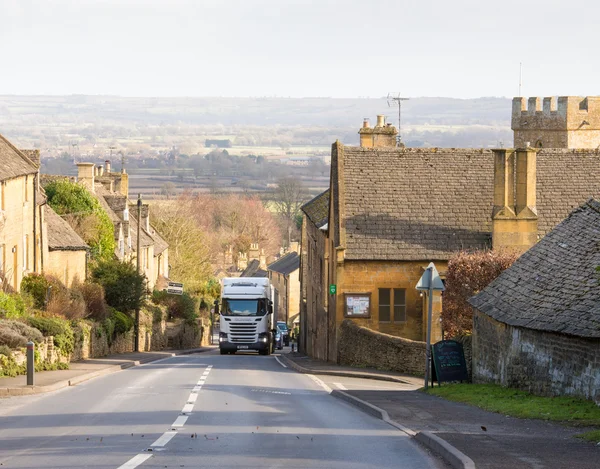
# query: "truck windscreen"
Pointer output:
{"type": "Point", "coordinates": [244, 307]}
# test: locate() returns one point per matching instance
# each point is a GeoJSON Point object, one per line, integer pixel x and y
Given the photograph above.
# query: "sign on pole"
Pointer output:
{"type": "Point", "coordinates": [175, 288]}
{"type": "Point", "coordinates": [429, 281]}
{"type": "Point", "coordinates": [332, 289]}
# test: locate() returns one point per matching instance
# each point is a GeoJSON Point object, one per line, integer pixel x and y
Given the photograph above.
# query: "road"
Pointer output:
{"type": "Point", "coordinates": [204, 411]}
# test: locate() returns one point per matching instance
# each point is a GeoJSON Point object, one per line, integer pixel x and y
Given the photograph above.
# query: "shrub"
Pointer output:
{"type": "Point", "coordinates": [67, 303]}
{"type": "Point", "coordinates": [5, 350]}
{"type": "Point", "coordinates": [60, 329]}
{"type": "Point", "coordinates": [36, 286]}
{"type": "Point", "coordinates": [30, 333]}
{"type": "Point", "coordinates": [11, 338]}
{"type": "Point", "coordinates": [12, 306]}
{"type": "Point", "coordinates": [93, 296]}
{"type": "Point", "coordinates": [122, 322]}
{"type": "Point", "coordinates": [123, 286]}
{"type": "Point", "coordinates": [467, 275]}
{"type": "Point", "coordinates": [178, 306]}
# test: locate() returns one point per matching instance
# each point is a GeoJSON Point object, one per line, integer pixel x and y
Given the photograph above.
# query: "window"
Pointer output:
{"type": "Point", "coordinates": [384, 304]}
{"type": "Point", "coordinates": [389, 298]}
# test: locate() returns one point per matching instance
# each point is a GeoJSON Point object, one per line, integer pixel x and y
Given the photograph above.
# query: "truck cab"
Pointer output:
{"type": "Point", "coordinates": [246, 311]}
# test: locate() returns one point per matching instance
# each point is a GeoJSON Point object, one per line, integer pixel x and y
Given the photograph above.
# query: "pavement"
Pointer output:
{"type": "Point", "coordinates": [80, 371]}
{"type": "Point", "coordinates": [465, 436]}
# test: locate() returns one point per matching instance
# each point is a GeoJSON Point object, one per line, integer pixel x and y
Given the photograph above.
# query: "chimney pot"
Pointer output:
{"type": "Point", "coordinates": [380, 120]}
{"type": "Point", "coordinates": [107, 166]}
{"type": "Point", "coordinates": [366, 123]}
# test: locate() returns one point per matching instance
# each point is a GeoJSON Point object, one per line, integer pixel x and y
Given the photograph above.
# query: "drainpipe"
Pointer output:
{"type": "Point", "coordinates": [35, 183]}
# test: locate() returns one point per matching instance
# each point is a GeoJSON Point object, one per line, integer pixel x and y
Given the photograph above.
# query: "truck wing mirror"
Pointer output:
{"type": "Point", "coordinates": [216, 306]}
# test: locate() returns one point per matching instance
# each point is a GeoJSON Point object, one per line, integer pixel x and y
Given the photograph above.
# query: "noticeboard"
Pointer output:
{"type": "Point", "coordinates": [357, 305]}
{"type": "Point", "coordinates": [448, 362]}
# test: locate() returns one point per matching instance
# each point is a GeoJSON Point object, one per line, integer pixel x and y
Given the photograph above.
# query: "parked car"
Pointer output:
{"type": "Point", "coordinates": [285, 333]}
{"type": "Point", "coordinates": [278, 340]}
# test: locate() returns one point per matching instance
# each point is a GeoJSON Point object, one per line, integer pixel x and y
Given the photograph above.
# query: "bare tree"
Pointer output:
{"type": "Point", "coordinates": [287, 200]}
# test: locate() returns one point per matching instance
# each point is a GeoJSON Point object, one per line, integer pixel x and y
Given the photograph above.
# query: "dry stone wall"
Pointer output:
{"type": "Point", "coordinates": [362, 347]}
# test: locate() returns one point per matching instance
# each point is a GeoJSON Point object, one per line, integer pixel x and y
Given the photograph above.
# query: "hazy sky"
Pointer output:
{"type": "Point", "coordinates": [343, 48]}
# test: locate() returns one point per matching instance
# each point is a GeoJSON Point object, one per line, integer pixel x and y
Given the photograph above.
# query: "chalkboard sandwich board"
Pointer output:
{"type": "Point", "coordinates": [448, 362]}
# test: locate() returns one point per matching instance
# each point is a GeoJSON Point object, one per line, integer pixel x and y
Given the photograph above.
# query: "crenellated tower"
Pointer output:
{"type": "Point", "coordinates": [566, 122]}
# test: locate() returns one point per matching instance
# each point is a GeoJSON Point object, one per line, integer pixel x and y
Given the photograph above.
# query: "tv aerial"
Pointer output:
{"type": "Point", "coordinates": [394, 99]}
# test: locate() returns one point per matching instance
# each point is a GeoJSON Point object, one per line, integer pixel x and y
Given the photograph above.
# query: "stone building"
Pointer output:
{"type": "Point", "coordinates": [21, 216]}
{"type": "Point", "coordinates": [394, 210]}
{"type": "Point", "coordinates": [537, 326]}
{"type": "Point", "coordinates": [569, 122]}
{"type": "Point", "coordinates": [284, 276]}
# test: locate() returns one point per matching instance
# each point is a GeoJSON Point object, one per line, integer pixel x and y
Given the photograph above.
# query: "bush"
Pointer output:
{"type": "Point", "coordinates": [124, 288]}
{"type": "Point", "coordinates": [178, 306]}
{"type": "Point", "coordinates": [467, 275]}
{"type": "Point", "coordinates": [12, 306]}
{"type": "Point", "coordinates": [93, 296]}
{"type": "Point", "coordinates": [60, 329]}
{"type": "Point", "coordinates": [122, 322]}
{"type": "Point", "coordinates": [11, 338]}
{"type": "Point", "coordinates": [36, 286]}
{"type": "Point", "coordinates": [5, 350]}
{"type": "Point", "coordinates": [30, 333]}
{"type": "Point", "coordinates": [67, 303]}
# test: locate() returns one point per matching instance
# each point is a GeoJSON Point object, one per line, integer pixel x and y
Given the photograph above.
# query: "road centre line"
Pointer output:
{"type": "Point", "coordinates": [180, 421]}
{"type": "Point", "coordinates": [341, 386]}
{"type": "Point", "coordinates": [135, 461]}
{"type": "Point", "coordinates": [164, 438]}
{"type": "Point", "coordinates": [279, 361]}
{"type": "Point", "coordinates": [192, 398]}
{"type": "Point", "coordinates": [197, 388]}
{"type": "Point", "coordinates": [187, 408]}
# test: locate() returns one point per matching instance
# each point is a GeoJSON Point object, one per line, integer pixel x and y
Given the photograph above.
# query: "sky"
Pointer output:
{"type": "Point", "coordinates": [299, 48]}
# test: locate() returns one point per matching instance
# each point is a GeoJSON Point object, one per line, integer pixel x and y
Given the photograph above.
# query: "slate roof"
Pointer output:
{"type": "Point", "coordinates": [317, 210]}
{"type": "Point", "coordinates": [554, 286]}
{"type": "Point", "coordinates": [426, 204]}
{"type": "Point", "coordinates": [287, 264]}
{"type": "Point", "coordinates": [61, 237]}
{"type": "Point", "coordinates": [13, 163]}
{"type": "Point", "coordinates": [253, 270]}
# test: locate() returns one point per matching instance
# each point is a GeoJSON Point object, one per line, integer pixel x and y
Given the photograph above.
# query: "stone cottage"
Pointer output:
{"type": "Point", "coordinates": [537, 326]}
{"type": "Point", "coordinates": [393, 210]}
{"type": "Point", "coordinates": [284, 276]}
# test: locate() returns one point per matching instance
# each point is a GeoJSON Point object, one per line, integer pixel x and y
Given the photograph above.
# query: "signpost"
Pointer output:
{"type": "Point", "coordinates": [175, 288]}
{"type": "Point", "coordinates": [449, 362]}
{"type": "Point", "coordinates": [429, 281]}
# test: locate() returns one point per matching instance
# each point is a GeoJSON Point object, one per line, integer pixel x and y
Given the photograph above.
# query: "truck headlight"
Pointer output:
{"type": "Point", "coordinates": [222, 336]}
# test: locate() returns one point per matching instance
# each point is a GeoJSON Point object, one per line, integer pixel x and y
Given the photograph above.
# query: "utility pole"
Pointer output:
{"type": "Point", "coordinates": [139, 269]}
{"type": "Point", "coordinates": [397, 101]}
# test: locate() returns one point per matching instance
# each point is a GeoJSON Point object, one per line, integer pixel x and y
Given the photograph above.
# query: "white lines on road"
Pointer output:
{"type": "Point", "coordinates": [279, 361]}
{"type": "Point", "coordinates": [164, 439]}
{"type": "Point", "coordinates": [135, 461]}
{"type": "Point", "coordinates": [320, 383]}
{"type": "Point", "coordinates": [192, 398]}
{"type": "Point", "coordinates": [187, 408]}
{"type": "Point", "coordinates": [180, 421]}
{"type": "Point", "coordinates": [340, 386]}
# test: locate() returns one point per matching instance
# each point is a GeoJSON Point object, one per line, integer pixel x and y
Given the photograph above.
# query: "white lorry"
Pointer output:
{"type": "Point", "coordinates": [246, 315]}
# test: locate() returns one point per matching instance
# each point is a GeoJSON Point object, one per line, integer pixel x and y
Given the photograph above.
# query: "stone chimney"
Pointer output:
{"type": "Point", "coordinates": [254, 252]}
{"type": "Point", "coordinates": [33, 156]}
{"type": "Point", "coordinates": [262, 260]}
{"type": "Point", "coordinates": [107, 167]}
{"type": "Point", "coordinates": [514, 217]}
{"type": "Point", "coordinates": [85, 175]}
{"type": "Point", "coordinates": [242, 262]}
{"type": "Point", "coordinates": [295, 247]}
{"type": "Point", "coordinates": [381, 135]}
{"type": "Point", "coordinates": [229, 255]}
{"type": "Point", "coordinates": [122, 184]}
{"type": "Point", "coordinates": [146, 217]}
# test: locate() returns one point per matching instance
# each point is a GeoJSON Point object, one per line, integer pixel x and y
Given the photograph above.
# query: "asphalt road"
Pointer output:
{"type": "Point", "coordinates": [204, 411]}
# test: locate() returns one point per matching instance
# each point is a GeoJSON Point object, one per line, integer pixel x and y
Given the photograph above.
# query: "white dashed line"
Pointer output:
{"type": "Point", "coordinates": [180, 421]}
{"type": "Point", "coordinates": [192, 398]}
{"type": "Point", "coordinates": [279, 361]}
{"type": "Point", "coordinates": [164, 439]}
{"type": "Point", "coordinates": [135, 461]}
{"type": "Point", "coordinates": [341, 386]}
{"type": "Point", "coordinates": [187, 408]}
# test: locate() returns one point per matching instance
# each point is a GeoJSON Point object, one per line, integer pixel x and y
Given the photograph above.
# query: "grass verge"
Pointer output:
{"type": "Point", "coordinates": [520, 404]}
{"type": "Point", "coordinates": [593, 436]}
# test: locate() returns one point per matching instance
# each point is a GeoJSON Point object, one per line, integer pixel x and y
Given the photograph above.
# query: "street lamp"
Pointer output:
{"type": "Point", "coordinates": [139, 268]}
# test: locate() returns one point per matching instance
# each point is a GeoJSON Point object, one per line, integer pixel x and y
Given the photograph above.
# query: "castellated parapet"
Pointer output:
{"type": "Point", "coordinates": [566, 122]}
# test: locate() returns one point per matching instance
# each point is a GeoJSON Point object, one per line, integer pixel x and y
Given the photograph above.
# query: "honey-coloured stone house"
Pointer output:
{"type": "Point", "coordinates": [393, 210]}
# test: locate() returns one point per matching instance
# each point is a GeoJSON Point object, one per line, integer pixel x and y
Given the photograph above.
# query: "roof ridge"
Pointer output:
{"type": "Point", "coordinates": [19, 152]}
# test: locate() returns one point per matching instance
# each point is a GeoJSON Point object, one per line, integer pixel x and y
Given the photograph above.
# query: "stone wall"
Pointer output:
{"type": "Point", "coordinates": [543, 363]}
{"type": "Point", "coordinates": [359, 346]}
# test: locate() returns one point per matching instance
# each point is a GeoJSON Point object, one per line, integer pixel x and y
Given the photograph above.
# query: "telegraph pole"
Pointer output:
{"type": "Point", "coordinates": [397, 101]}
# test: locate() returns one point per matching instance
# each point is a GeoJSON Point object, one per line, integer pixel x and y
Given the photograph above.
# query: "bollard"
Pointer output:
{"type": "Point", "coordinates": [30, 363]}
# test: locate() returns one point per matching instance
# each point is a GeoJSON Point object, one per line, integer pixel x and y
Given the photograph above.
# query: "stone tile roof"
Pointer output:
{"type": "Point", "coordinates": [13, 163]}
{"type": "Point", "coordinates": [287, 264]}
{"type": "Point", "coordinates": [554, 286]}
{"type": "Point", "coordinates": [61, 236]}
{"type": "Point", "coordinates": [317, 210]}
{"type": "Point", "coordinates": [253, 270]}
{"type": "Point", "coordinates": [426, 204]}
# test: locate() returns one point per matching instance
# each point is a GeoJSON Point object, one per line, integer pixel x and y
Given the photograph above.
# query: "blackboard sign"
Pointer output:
{"type": "Point", "coordinates": [449, 362]}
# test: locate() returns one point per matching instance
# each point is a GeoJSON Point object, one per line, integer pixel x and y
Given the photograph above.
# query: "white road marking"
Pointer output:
{"type": "Point", "coordinates": [341, 386]}
{"type": "Point", "coordinates": [187, 408]}
{"type": "Point", "coordinates": [201, 382]}
{"type": "Point", "coordinates": [180, 421]}
{"type": "Point", "coordinates": [192, 398]}
{"type": "Point", "coordinates": [279, 361]}
{"type": "Point", "coordinates": [135, 461]}
{"type": "Point", "coordinates": [320, 383]}
{"type": "Point", "coordinates": [164, 439]}
{"type": "Point", "coordinates": [197, 388]}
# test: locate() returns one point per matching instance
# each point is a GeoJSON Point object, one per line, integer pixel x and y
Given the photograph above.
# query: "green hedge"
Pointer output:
{"type": "Point", "coordinates": [12, 306]}
{"type": "Point", "coordinates": [60, 329]}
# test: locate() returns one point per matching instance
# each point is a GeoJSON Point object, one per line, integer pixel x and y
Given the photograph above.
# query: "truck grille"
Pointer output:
{"type": "Point", "coordinates": [243, 332]}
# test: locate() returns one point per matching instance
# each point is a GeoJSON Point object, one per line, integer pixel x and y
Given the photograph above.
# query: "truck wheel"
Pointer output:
{"type": "Point", "coordinates": [223, 352]}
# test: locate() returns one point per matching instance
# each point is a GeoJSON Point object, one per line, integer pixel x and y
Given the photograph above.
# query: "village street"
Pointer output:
{"type": "Point", "coordinates": [201, 410]}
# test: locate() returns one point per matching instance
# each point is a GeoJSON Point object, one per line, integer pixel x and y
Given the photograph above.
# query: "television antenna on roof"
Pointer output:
{"type": "Point", "coordinates": [394, 99]}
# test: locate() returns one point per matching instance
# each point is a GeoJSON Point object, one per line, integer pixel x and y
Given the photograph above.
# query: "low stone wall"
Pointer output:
{"type": "Point", "coordinates": [542, 363]}
{"type": "Point", "coordinates": [359, 346]}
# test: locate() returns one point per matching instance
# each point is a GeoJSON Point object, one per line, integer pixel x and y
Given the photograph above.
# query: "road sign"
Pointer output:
{"type": "Point", "coordinates": [332, 289]}
{"type": "Point", "coordinates": [175, 288]}
{"type": "Point", "coordinates": [433, 277]}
